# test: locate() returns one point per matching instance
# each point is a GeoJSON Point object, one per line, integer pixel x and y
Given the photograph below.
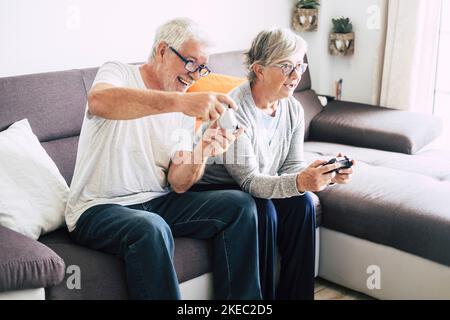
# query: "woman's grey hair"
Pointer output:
{"type": "Point", "coordinates": [271, 47]}
{"type": "Point", "coordinates": [176, 32]}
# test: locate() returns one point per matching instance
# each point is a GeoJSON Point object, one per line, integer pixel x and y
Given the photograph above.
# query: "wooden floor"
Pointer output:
{"type": "Point", "coordinates": [325, 290]}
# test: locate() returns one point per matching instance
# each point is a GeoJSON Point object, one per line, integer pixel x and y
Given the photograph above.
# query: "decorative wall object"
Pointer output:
{"type": "Point", "coordinates": [342, 39]}
{"type": "Point", "coordinates": [306, 16]}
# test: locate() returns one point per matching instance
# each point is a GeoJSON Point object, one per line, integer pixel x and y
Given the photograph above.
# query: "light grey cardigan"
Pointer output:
{"type": "Point", "coordinates": [263, 169]}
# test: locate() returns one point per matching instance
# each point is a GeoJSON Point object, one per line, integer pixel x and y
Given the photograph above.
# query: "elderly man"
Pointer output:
{"type": "Point", "coordinates": [133, 145]}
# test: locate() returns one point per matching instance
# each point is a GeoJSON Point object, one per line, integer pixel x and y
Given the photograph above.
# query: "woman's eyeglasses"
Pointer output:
{"type": "Point", "coordinates": [288, 68]}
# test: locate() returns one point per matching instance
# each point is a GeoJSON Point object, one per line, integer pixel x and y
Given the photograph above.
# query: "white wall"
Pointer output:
{"type": "Point", "coordinates": [358, 71]}
{"type": "Point", "coordinates": [49, 35]}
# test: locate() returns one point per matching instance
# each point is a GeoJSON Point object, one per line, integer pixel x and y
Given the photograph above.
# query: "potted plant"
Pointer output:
{"type": "Point", "coordinates": [306, 15]}
{"type": "Point", "coordinates": [342, 39]}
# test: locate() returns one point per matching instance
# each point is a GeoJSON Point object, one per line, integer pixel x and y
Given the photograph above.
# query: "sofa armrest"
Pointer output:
{"type": "Point", "coordinates": [374, 127]}
{"type": "Point", "coordinates": [26, 263]}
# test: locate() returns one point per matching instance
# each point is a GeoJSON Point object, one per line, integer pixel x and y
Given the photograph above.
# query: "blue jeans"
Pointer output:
{"type": "Point", "coordinates": [143, 234]}
{"type": "Point", "coordinates": [290, 225]}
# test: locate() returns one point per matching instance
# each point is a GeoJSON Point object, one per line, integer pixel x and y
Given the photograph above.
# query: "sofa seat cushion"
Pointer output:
{"type": "Point", "coordinates": [374, 127]}
{"type": "Point", "coordinates": [434, 164]}
{"type": "Point", "coordinates": [397, 200]}
{"type": "Point", "coordinates": [103, 275]}
{"type": "Point", "coordinates": [26, 263]}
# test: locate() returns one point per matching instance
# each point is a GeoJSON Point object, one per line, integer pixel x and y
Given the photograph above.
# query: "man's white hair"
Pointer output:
{"type": "Point", "coordinates": [176, 32]}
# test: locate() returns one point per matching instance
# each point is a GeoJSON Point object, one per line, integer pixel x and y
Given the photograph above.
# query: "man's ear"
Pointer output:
{"type": "Point", "coordinates": [161, 51]}
{"type": "Point", "coordinates": [259, 71]}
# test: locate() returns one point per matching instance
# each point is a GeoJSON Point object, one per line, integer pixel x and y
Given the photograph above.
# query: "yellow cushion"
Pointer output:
{"type": "Point", "coordinates": [216, 83]}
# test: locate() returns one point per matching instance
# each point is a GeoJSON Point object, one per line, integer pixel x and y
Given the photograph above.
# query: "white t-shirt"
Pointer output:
{"type": "Point", "coordinates": [125, 161]}
{"type": "Point", "coordinates": [268, 123]}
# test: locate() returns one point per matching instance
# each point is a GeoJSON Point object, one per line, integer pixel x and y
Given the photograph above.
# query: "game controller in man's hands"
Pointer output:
{"type": "Point", "coordinates": [228, 120]}
{"type": "Point", "coordinates": [344, 162]}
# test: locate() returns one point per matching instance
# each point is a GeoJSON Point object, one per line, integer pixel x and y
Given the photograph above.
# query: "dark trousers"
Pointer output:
{"type": "Point", "coordinates": [143, 236]}
{"type": "Point", "coordinates": [289, 224]}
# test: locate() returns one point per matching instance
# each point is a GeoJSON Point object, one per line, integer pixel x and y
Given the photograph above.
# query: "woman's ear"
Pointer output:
{"type": "Point", "coordinates": [259, 71]}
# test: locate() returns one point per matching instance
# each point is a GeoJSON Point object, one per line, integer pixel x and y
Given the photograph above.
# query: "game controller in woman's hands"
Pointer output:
{"type": "Point", "coordinates": [344, 162]}
{"type": "Point", "coordinates": [228, 120]}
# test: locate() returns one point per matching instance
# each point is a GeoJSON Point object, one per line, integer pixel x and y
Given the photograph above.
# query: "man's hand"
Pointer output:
{"type": "Point", "coordinates": [216, 141]}
{"type": "Point", "coordinates": [315, 177]}
{"type": "Point", "coordinates": [343, 176]}
{"type": "Point", "coordinates": [182, 175]}
{"type": "Point", "coordinates": [205, 106]}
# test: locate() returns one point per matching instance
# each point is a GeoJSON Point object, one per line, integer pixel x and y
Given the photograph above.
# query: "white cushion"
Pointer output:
{"type": "Point", "coordinates": [33, 194]}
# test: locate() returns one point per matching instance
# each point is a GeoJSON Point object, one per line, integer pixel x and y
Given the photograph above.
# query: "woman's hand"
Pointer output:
{"type": "Point", "coordinates": [343, 176]}
{"type": "Point", "coordinates": [315, 176]}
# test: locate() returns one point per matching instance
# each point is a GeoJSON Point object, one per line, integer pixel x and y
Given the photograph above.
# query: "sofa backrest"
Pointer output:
{"type": "Point", "coordinates": [54, 104]}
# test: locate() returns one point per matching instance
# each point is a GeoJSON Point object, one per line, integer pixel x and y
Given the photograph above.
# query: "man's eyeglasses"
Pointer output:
{"type": "Point", "coordinates": [191, 66]}
{"type": "Point", "coordinates": [288, 68]}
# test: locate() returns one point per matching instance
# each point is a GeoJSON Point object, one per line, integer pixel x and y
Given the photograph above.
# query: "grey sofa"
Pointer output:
{"type": "Point", "coordinates": [392, 222]}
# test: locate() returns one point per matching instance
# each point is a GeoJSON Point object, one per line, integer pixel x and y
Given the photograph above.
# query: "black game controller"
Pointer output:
{"type": "Point", "coordinates": [345, 163]}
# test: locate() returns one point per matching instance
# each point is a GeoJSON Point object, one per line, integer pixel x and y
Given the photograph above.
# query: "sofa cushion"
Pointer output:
{"type": "Point", "coordinates": [26, 263]}
{"type": "Point", "coordinates": [311, 105]}
{"type": "Point", "coordinates": [88, 77]}
{"type": "Point", "coordinates": [397, 200]}
{"type": "Point", "coordinates": [33, 193]}
{"type": "Point", "coordinates": [216, 83]}
{"type": "Point", "coordinates": [64, 153]}
{"type": "Point", "coordinates": [229, 63]}
{"type": "Point", "coordinates": [431, 164]}
{"type": "Point", "coordinates": [374, 127]}
{"type": "Point", "coordinates": [318, 207]}
{"type": "Point", "coordinates": [52, 102]}
{"type": "Point", "coordinates": [103, 275]}
{"type": "Point", "coordinates": [305, 82]}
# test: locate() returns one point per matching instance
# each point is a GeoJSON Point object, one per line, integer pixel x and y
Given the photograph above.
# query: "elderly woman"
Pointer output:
{"type": "Point", "coordinates": [268, 163]}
